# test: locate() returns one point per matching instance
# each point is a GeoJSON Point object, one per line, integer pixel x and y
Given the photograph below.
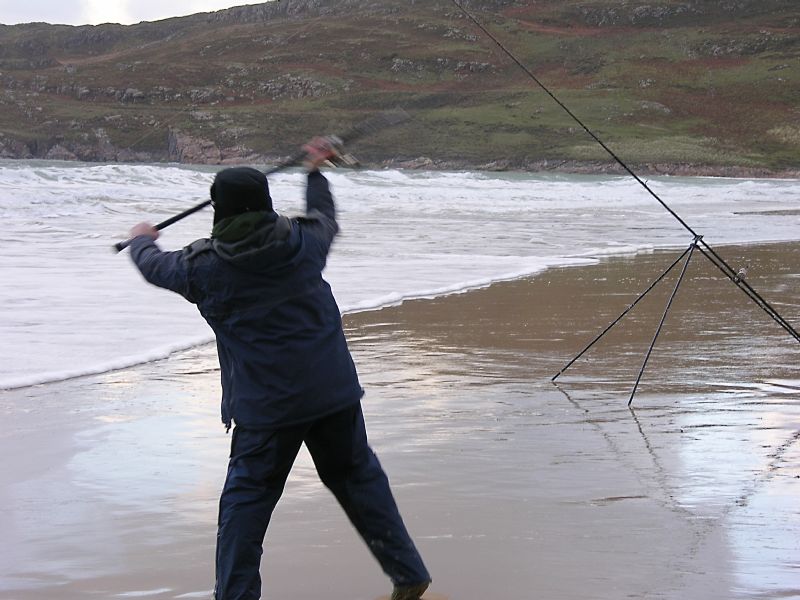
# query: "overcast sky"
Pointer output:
{"type": "Point", "coordinates": [93, 12]}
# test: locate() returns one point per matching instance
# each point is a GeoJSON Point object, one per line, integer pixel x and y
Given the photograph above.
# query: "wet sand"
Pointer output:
{"type": "Point", "coordinates": [513, 488]}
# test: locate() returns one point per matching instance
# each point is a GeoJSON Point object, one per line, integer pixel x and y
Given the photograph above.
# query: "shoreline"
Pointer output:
{"type": "Point", "coordinates": [532, 167]}
{"type": "Point", "coordinates": [574, 167]}
{"type": "Point", "coordinates": [165, 353]}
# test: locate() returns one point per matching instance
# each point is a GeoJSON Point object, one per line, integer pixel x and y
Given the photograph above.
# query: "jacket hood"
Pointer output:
{"type": "Point", "coordinates": [272, 243]}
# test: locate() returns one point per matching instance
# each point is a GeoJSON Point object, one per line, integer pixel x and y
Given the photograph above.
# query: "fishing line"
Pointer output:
{"type": "Point", "coordinates": [707, 250]}
{"type": "Point", "coordinates": [573, 115]}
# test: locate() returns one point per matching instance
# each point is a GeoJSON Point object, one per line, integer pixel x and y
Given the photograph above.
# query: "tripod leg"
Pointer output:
{"type": "Point", "coordinates": [625, 312]}
{"type": "Point", "coordinates": [690, 251]}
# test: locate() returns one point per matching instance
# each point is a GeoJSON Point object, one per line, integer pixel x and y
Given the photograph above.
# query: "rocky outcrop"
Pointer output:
{"type": "Point", "coordinates": [438, 66]}
{"type": "Point", "coordinates": [10, 148]}
{"type": "Point", "coordinates": [669, 14]}
{"type": "Point", "coordinates": [13, 149]}
{"type": "Point", "coordinates": [764, 41]}
{"type": "Point", "coordinates": [183, 148]}
{"type": "Point", "coordinates": [648, 16]}
{"type": "Point", "coordinates": [294, 86]}
{"type": "Point", "coordinates": [257, 13]}
{"type": "Point", "coordinates": [59, 152]}
{"type": "Point", "coordinates": [189, 149]}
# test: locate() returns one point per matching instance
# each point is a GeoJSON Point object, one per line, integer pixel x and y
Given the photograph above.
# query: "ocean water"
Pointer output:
{"type": "Point", "coordinates": [72, 306]}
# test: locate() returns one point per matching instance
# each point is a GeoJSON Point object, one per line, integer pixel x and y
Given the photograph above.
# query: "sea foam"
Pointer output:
{"type": "Point", "coordinates": [72, 307]}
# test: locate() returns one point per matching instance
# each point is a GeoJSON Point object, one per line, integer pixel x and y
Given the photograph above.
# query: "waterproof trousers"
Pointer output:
{"type": "Point", "coordinates": [259, 465]}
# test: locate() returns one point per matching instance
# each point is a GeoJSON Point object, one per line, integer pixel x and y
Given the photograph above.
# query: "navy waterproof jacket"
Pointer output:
{"type": "Point", "coordinates": [282, 351]}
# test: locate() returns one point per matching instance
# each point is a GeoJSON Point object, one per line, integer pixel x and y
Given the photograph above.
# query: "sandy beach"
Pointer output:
{"type": "Point", "coordinates": [514, 488]}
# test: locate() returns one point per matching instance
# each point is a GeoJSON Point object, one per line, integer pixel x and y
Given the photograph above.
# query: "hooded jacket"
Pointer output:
{"type": "Point", "coordinates": [282, 352]}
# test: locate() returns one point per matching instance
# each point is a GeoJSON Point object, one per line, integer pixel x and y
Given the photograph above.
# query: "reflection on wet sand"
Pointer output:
{"type": "Point", "coordinates": [512, 487]}
{"type": "Point", "coordinates": [704, 469]}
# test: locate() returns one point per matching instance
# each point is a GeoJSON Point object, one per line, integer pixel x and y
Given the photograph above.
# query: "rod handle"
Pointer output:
{"type": "Point", "coordinates": [120, 246]}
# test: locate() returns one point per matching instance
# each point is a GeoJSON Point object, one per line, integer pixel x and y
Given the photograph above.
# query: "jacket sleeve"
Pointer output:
{"type": "Point", "coordinates": [168, 270]}
{"type": "Point", "coordinates": [320, 217]}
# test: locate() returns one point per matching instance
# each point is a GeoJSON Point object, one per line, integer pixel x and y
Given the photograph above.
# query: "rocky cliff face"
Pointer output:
{"type": "Point", "coordinates": [667, 81]}
{"type": "Point", "coordinates": [674, 14]}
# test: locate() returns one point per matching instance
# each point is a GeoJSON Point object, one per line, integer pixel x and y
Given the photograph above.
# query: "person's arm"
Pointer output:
{"type": "Point", "coordinates": [168, 270]}
{"type": "Point", "coordinates": [318, 195]}
{"type": "Point", "coordinates": [320, 208]}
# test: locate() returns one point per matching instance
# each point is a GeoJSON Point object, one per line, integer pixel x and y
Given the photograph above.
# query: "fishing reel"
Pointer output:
{"type": "Point", "coordinates": [340, 158]}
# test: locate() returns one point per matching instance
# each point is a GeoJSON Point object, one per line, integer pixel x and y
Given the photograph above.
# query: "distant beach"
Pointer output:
{"type": "Point", "coordinates": [576, 167]}
{"type": "Point", "coordinates": [513, 488]}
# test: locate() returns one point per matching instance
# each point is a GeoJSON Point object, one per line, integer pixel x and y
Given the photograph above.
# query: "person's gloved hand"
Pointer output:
{"type": "Point", "coordinates": [318, 151]}
{"type": "Point", "coordinates": [144, 229]}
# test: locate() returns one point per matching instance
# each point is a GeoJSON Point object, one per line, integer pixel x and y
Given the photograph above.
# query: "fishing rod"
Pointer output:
{"type": "Point", "coordinates": [368, 126]}
{"type": "Point", "coordinates": [291, 161]}
{"type": "Point", "coordinates": [697, 242]}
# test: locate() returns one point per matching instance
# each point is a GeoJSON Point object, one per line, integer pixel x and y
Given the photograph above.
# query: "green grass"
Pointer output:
{"type": "Point", "coordinates": [672, 149]}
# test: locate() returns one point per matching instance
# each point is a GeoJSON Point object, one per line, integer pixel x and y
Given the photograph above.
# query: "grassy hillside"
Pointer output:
{"type": "Point", "coordinates": [670, 85]}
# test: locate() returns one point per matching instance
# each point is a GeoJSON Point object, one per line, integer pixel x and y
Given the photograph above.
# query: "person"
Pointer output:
{"type": "Point", "coordinates": [287, 374]}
